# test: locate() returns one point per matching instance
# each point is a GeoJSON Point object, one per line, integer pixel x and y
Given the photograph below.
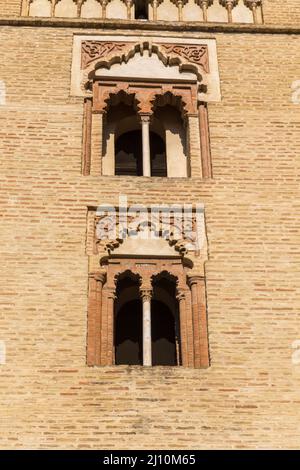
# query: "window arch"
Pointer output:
{"type": "Point", "coordinates": [128, 336]}
{"type": "Point", "coordinates": [165, 322]}
{"type": "Point", "coordinates": [147, 318]}
{"type": "Point", "coordinates": [123, 139]}
{"type": "Point", "coordinates": [128, 322]}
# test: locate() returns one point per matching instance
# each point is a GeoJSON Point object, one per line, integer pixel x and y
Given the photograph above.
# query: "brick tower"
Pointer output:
{"type": "Point", "coordinates": [150, 287]}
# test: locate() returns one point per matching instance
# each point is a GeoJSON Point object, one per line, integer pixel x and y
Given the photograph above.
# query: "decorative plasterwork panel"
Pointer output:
{"type": "Point", "coordinates": [111, 52]}
{"type": "Point", "coordinates": [181, 229]}
{"type": "Point", "coordinates": [145, 95]}
{"type": "Point", "coordinates": [191, 56]}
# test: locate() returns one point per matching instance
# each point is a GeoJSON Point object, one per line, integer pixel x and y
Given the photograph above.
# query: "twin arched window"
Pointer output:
{"type": "Point", "coordinates": [124, 145]}
{"type": "Point", "coordinates": [128, 313]}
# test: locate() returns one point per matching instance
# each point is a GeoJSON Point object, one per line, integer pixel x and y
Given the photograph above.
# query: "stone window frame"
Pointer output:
{"type": "Point", "coordinates": [106, 264]}
{"type": "Point", "coordinates": [195, 111]}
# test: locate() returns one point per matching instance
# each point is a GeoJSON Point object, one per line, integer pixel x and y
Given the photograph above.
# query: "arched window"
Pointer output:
{"type": "Point", "coordinates": [165, 322]}
{"type": "Point", "coordinates": [128, 322]}
{"type": "Point", "coordinates": [141, 10]}
{"type": "Point", "coordinates": [128, 313]}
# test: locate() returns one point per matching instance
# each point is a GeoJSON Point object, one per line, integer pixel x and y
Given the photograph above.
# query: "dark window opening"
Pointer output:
{"type": "Point", "coordinates": [129, 154]}
{"type": "Point", "coordinates": [128, 323]}
{"type": "Point", "coordinates": [165, 322]}
{"type": "Point", "coordinates": [129, 347]}
{"type": "Point", "coordinates": [163, 335]}
{"type": "Point", "coordinates": [141, 10]}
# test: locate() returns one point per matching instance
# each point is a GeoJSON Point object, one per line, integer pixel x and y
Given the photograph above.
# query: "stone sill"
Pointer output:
{"type": "Point", "coordinates": [165, 26]}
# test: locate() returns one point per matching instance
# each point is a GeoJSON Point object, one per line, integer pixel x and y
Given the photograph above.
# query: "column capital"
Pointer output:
{"type": "Point", "coordinates": [145, 117]}
{"type": "Point", "coordinates": [205, 3]}
{"type": "Point", "coordinates": [98, 276]}
{"type": "Point", "coordinates": [146, 294]}
{"type": "Point", "coordinates": [195, 279]}
{"type": "Point", "coordinates": [180, 295]}
{"type": "Point", "coordinates": [229, 3]}
{"type": "Point", "coordinates": [110, 292]}
{"type": "Point", "coordinates": [252, 3]}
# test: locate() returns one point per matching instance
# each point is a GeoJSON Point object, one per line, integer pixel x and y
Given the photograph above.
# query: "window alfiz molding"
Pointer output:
{"type": "Point", "coordinates": [187, 81]}
{"type": "Point", "coordinates": [119, 249]}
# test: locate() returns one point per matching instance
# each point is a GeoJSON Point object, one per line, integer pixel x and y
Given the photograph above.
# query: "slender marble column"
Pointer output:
{"type": "Point", "coordinates": [129, 7]}
{"type": "Point", "coordinates": [53, 5]}
{"type": "Point", "coordinates": [79, 6]}
{"type": "Point", "coordinates": [155, 4]}
{"type": "Point", "coordinates": [229, 5]}
{"type": "Point", "coordinates": [204, 6]}
{"type": "Point", "coordinates": [180, 9]}
{"type": "Point", "coordinates": [145, 118]}
{"type": "Point", "coordinates": [147, 340]}
{"type": "Point", "coordinates": [253, 5]}
{"type": "Point", "coordinates": [104, 5]}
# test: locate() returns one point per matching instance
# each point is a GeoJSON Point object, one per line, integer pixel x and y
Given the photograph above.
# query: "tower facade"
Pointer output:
{"type": "Point", "coordinates": [150, 287]}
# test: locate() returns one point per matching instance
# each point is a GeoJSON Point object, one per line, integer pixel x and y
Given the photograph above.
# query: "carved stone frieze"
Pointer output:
{"type": "Point", "coordinates": [95, 50]}
{"type": "Point", "coordinates": [197, 54]}
{"type": "Point", "coordinates": [145, 96]}
{"type": "Point", "coordinates": [112, 52]}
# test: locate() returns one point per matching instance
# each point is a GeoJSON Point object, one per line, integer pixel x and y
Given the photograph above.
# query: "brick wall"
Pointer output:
{"type": "Point", "coordinates": [249, 397]}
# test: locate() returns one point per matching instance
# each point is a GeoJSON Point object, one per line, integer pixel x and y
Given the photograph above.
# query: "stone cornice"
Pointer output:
{"type": "Point", "coordinates": [151, 26]}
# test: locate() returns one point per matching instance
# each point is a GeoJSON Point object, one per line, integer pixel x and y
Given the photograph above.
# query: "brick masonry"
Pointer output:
{"type": "Point", "coordinates": [249, 397]}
